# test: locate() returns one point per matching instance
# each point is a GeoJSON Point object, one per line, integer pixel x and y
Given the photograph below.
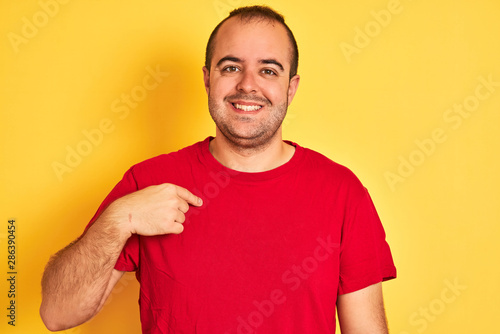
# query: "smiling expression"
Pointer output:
{"type": "Point", "coordinates": [248, 86]}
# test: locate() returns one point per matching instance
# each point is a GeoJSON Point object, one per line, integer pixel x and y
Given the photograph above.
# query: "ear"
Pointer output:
{"type": "Point", "coordinates": [206, 78]}
{"type": "Point", "coordinates": [292, 87]}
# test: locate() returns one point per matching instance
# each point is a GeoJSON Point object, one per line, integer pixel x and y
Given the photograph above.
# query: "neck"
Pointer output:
{"type": "Point", "coordinates": [251, 159]}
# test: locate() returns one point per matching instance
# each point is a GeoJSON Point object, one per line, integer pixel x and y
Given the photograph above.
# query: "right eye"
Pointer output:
{"type": "Point", "coordinates": [230, 69]}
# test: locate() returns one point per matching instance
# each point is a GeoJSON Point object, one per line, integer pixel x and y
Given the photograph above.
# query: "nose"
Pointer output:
{"type": "Point", "coordinates": [247, 83]}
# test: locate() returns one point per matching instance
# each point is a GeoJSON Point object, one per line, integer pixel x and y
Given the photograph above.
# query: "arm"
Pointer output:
{"type": "Point", "coordinates": [362, 311]}
{"type": "Point", "coordinates": [78, 279]}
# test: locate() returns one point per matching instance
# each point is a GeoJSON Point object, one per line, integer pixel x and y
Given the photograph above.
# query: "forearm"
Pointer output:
{"type": "Point", "coordinates": [76, 279]}
{"type": "Point", "coordinates": [79, 278]}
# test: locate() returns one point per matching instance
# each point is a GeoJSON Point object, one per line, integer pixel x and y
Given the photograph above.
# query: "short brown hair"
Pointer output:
{"type": "Point", "coordinates": [247, 14]}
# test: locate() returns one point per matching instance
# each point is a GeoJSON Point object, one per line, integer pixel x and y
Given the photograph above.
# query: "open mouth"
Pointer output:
{"type": "Point", "coordinates": [243, 107]}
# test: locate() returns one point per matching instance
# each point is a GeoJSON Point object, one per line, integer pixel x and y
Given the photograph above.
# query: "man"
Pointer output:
{"type": "Point", "coordinates": [241, 233]}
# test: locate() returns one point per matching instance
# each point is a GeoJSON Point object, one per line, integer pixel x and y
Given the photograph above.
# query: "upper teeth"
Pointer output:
{"type": "Point", "coordinates": [247, 108]}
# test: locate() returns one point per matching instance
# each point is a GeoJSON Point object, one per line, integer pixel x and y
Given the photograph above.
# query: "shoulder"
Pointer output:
{"type": "Point", "coordinates": [161, 161]}
{"type": "Point", "coordinates": [327, 168]}
{"type": "Point", "coordinates": [164, 167]}
{"type": "Point", "coordinates": [329, 177]}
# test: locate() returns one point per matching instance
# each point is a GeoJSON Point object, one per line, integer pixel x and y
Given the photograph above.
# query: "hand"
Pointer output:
{"type": "Point", "coordinates": [154, 210]}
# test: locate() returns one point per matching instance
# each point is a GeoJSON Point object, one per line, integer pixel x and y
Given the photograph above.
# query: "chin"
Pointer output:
{"type": "Point", "coordinates": [250, 141]}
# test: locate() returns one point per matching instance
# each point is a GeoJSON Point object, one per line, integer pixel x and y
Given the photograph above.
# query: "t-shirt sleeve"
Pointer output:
{"type": "Point", "coordinates": [128, 259]}
{"type": "Point", "coordinates": [365, 256]}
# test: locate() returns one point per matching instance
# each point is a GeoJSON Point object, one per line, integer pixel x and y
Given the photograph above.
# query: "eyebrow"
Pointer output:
{"type": "Point", "coordinates": [272, 61]}
{"type": "Point", "coordinates": [262, 61]}
{"type": "Point", "coordinates": [229, 58]}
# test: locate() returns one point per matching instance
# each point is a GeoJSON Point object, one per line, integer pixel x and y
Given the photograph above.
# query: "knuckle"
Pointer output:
{"type": "Point", "coordinates": [184, 207]}
{"type": "Point", "coordinates": [168, 187]}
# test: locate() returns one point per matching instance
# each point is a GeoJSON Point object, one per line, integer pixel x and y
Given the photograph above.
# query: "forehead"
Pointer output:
{"type": "Point", "coordinates": [255, 39]}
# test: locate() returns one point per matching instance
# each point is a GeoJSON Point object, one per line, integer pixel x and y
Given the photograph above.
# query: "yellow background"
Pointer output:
{"type": "Point", "coordinates": [366, 109]}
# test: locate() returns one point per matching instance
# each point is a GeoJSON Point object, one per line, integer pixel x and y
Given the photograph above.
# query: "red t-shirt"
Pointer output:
{"type": "Point", "coordinates": [266, 253]}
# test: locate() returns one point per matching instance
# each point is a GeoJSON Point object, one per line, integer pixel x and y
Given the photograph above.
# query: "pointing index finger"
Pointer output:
{"type": "Point", "coordinates": [188, 196]}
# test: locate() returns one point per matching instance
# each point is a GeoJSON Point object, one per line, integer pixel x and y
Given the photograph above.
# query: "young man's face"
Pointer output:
{"type": "Point", "coordinates": [249, 87]}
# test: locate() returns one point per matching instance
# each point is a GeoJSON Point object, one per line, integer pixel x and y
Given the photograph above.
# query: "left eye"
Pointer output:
{"type": "Point", "coordinates": [269, 72]}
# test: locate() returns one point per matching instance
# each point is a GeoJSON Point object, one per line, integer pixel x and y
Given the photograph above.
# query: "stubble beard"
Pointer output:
{"type": "Point", "coordinates": [255, 137]}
